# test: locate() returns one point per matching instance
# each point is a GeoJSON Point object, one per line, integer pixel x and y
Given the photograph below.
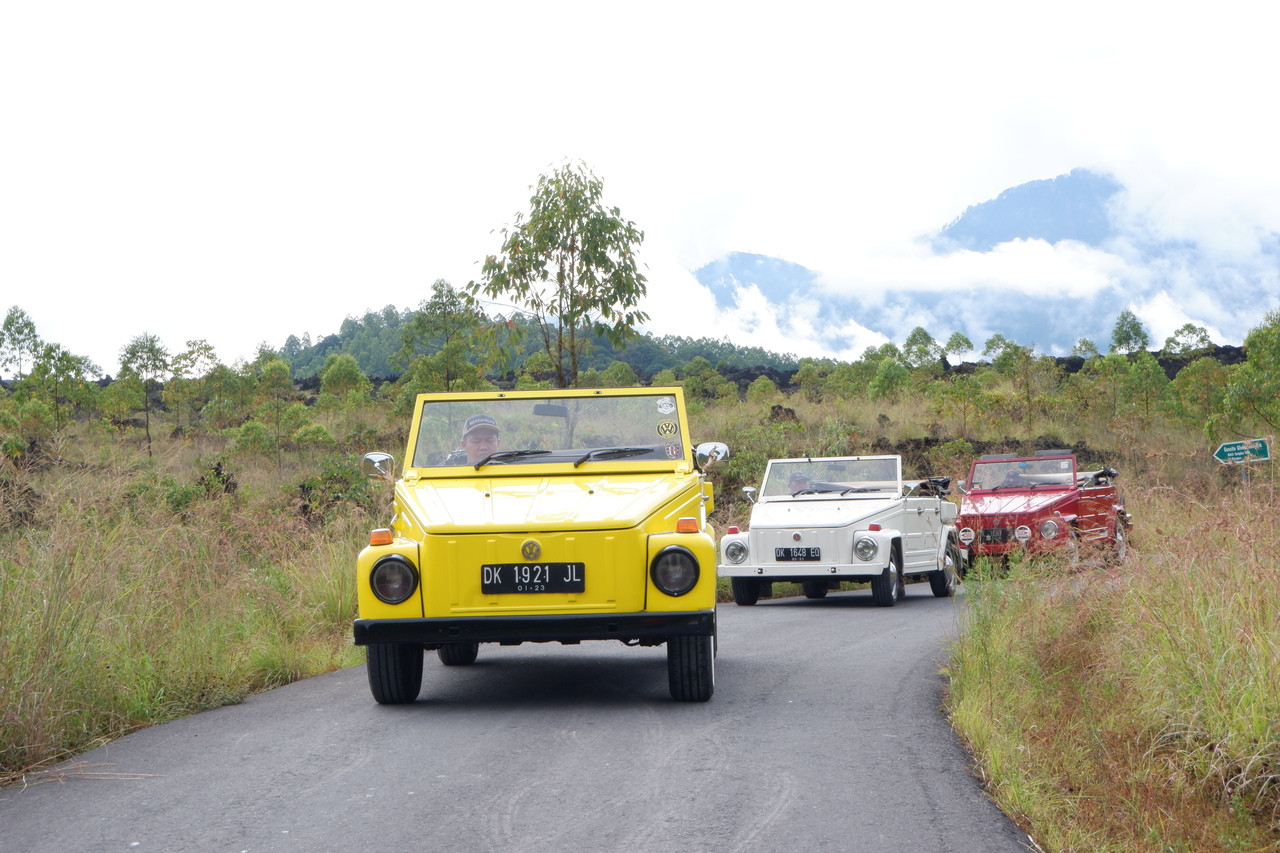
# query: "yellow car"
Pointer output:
{"type": "Point", "coordinates": [542, 516]}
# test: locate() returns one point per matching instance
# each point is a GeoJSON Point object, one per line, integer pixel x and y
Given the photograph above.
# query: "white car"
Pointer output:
{"type": "Point", "coordinates": [820, 522]}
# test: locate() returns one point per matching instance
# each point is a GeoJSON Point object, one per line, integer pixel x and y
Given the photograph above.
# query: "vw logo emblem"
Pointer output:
{"type": "Point", "coordinates": [795, 537]}
{"type": "Point", "coordinates": [530, 550]}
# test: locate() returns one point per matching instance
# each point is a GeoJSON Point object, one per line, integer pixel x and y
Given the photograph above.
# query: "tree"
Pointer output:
{"type": "Point", "coordinates": [762, 390]}
{"type": "Point", "coordinates": [1085, 348]}
{"type": "Point", "coordinates": [1146, 385]}
{"type": "Point", "coordinates": [1253, 393]}
{"type": "Point", "coordinates": [62, 377]}
{"type": "Point", "coordinates": [228, 392]}
{"type": "Point", "coordinates": [572, 265]}
{"type": "Point", "coordinates": [920, 349]}
{"type": "Point", "coordinates": [811, 377]}
{"type": "Point", "coordinates": [1129, 335]}
{"type": "Point", "coordinates": [1197, 391]}
{"type": "Point", "coordinates": [342, 377]}
{"type": "Point", "coordinates": [275, 394]}
{"type": "Point", "coordinates": [144, 361]}
{"type": "Point", "coordinates": [1107, 375]}
{"type": "Point", "coordinates": [449, 315]}
{"type": "Point", "coordinates": [957, 345]}
{"type": "Point", "coordinates": [890, 380]}
{"type": "Point", "coordinates": [190, 367]}
{"type": "Point", "coordinates": [1189, 341]}
{"type": "Point", "coordinates": [453, 335]}
{"type": "Point", "coordinates": [19, 342]}
{"type": "Point", "coordinates": [703, 381]}
{"type": "Point", "coordinates": [964, 398]}
{"type": "Point", "coordinates": [1024, 370]}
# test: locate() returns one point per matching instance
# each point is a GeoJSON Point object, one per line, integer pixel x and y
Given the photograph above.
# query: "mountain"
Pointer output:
{"type": "Point", "coordinates": [1069, 207]}
{"type": "Point", "coordinates": [1045, 264]}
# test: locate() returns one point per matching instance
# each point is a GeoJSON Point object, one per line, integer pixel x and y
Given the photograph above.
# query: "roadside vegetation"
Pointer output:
{"type": "Point", "coordinates": [184, 534]}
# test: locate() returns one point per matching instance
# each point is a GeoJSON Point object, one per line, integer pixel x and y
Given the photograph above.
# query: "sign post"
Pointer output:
{"type": "Point", "coordinates": [1238, 452]}
{"type": "Point", "coordinates": [1243, 452]}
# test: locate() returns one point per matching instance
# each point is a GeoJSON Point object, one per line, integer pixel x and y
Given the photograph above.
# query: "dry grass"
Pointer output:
{"type": "Point", "coordinates": [1122, 709]}
{"type": "Point", "coordinates": [1136, 708]}
{"type": "Point", "coordinates": [136, 595]}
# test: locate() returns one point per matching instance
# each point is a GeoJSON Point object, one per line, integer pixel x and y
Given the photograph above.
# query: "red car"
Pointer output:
{"type": "Point", "coordinates": [1039, 504]}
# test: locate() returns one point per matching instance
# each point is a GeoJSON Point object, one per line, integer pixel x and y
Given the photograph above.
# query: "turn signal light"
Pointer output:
{"type": "Point", "coordinates": [873, 527]}
{"type": "Point", "coordinates": [686, 525]}
{"type": "Point", "coordinates": [380, 536]}
{"type": "Point", "coordinates": [733, 528]}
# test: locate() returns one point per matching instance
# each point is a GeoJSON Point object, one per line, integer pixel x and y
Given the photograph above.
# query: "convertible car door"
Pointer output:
{"type": "Point", "coordinates": [921, 524]}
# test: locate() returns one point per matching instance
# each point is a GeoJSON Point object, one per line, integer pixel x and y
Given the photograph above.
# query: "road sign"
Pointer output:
{"type": "Point", "coordinates": [1256, 450]}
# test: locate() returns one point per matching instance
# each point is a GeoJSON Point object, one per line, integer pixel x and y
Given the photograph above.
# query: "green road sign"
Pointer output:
{"type": "Point", "coordinates": [1257, 450]}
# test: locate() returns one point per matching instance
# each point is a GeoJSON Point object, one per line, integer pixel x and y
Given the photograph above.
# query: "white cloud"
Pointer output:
{"type": "Point", "coordinates": [245, 171]}
{"type": "Point", "coordinates": [1031, 267]}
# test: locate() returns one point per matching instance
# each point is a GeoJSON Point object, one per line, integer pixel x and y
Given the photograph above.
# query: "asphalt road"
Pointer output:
{"type": "Point", "coordinates": [824, 734]}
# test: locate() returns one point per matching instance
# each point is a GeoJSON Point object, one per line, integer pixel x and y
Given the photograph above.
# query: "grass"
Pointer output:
{"type": "Point", "coordinates": [1130, 708]}
{"type": "Point", "coordinates": [1136, 708]}
{"type": "Point", "coordinates": [138, 596]}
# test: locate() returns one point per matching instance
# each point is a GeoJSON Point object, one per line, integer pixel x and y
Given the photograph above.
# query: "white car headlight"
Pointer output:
{"type": "Point", "coordinates": [735, 551]}
{"type": "Point", "coordinates": [1049, 529]}
{"type": "Point", "coordinates": [865, 548]}
{"type": "Point", "coordinates": [966, 536]}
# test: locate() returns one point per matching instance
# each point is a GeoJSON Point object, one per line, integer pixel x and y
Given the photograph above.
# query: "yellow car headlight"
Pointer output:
{"type": "Point", "coordinates": [393, 579]}
{"type": "Point", "coordinates": [674, 571]}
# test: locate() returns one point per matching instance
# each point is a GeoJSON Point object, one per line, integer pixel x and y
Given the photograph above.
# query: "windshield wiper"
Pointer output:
{"type": "Point", "coordinates": [859, 489]}
{"type": "Point", "coordinates": [509, 454]}
{"type": "Point", "coordinates": [612, 453]}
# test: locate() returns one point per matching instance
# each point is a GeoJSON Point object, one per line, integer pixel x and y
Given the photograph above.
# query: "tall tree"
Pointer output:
{"type": "Point", "coordinates": [921, 350]}
{"type": "Point", "coordinates": [957, 345]}
{"type": "Point", "coordinates": [1189, 341]}
{"type": "Point", "coordinates": [1129, 335]}
{"type": "Point", "coordinates": [19, 342]}
{"type": "Point", "coordinates": [144, 361]}
{"type": "Point", "coordinates": [572, 265]}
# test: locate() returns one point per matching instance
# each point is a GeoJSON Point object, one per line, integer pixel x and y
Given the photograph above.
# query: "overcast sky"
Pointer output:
{"type": "Point", "coordinates": [241, 171]}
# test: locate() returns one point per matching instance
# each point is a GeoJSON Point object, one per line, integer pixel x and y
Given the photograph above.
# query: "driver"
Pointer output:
{"type": "Point", "coordinates": [798, 481]}
{"type": "Point", "coordinates": [479, 439]}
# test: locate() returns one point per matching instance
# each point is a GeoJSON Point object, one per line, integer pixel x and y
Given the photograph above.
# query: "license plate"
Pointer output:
{"type": "Point", "coordinates": [790, 555]}
{"type": "Point", "coordinates": [508, 578]}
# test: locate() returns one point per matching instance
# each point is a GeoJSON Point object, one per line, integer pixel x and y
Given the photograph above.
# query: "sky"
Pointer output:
{"type": "Point", "coordinates": [237, 172]}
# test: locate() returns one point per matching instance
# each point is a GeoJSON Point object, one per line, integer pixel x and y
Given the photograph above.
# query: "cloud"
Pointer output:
{"type": "Point", "coordinates": [1031, 267]}
{"type": "Point", "coordinates": [250, 171]}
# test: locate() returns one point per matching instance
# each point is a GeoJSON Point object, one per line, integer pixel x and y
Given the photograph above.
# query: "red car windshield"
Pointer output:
{"type": "Point", "coordinates": [1037, 472]}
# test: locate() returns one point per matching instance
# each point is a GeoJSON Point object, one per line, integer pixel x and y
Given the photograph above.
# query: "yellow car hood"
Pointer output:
{"type": "Point", "coordinates": [541, 503]}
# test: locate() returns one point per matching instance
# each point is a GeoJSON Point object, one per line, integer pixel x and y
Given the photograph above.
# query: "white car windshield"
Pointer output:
{"type": "Point", "coordinates": [529, 430]}
{"type": "Point", "coordinates": [844, 477]}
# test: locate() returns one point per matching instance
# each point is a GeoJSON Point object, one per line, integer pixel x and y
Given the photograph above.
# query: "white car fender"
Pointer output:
{"type": "Point", "coordinates": [949, 536]}
{"type": "Point", "coordinates": [884, 539]}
